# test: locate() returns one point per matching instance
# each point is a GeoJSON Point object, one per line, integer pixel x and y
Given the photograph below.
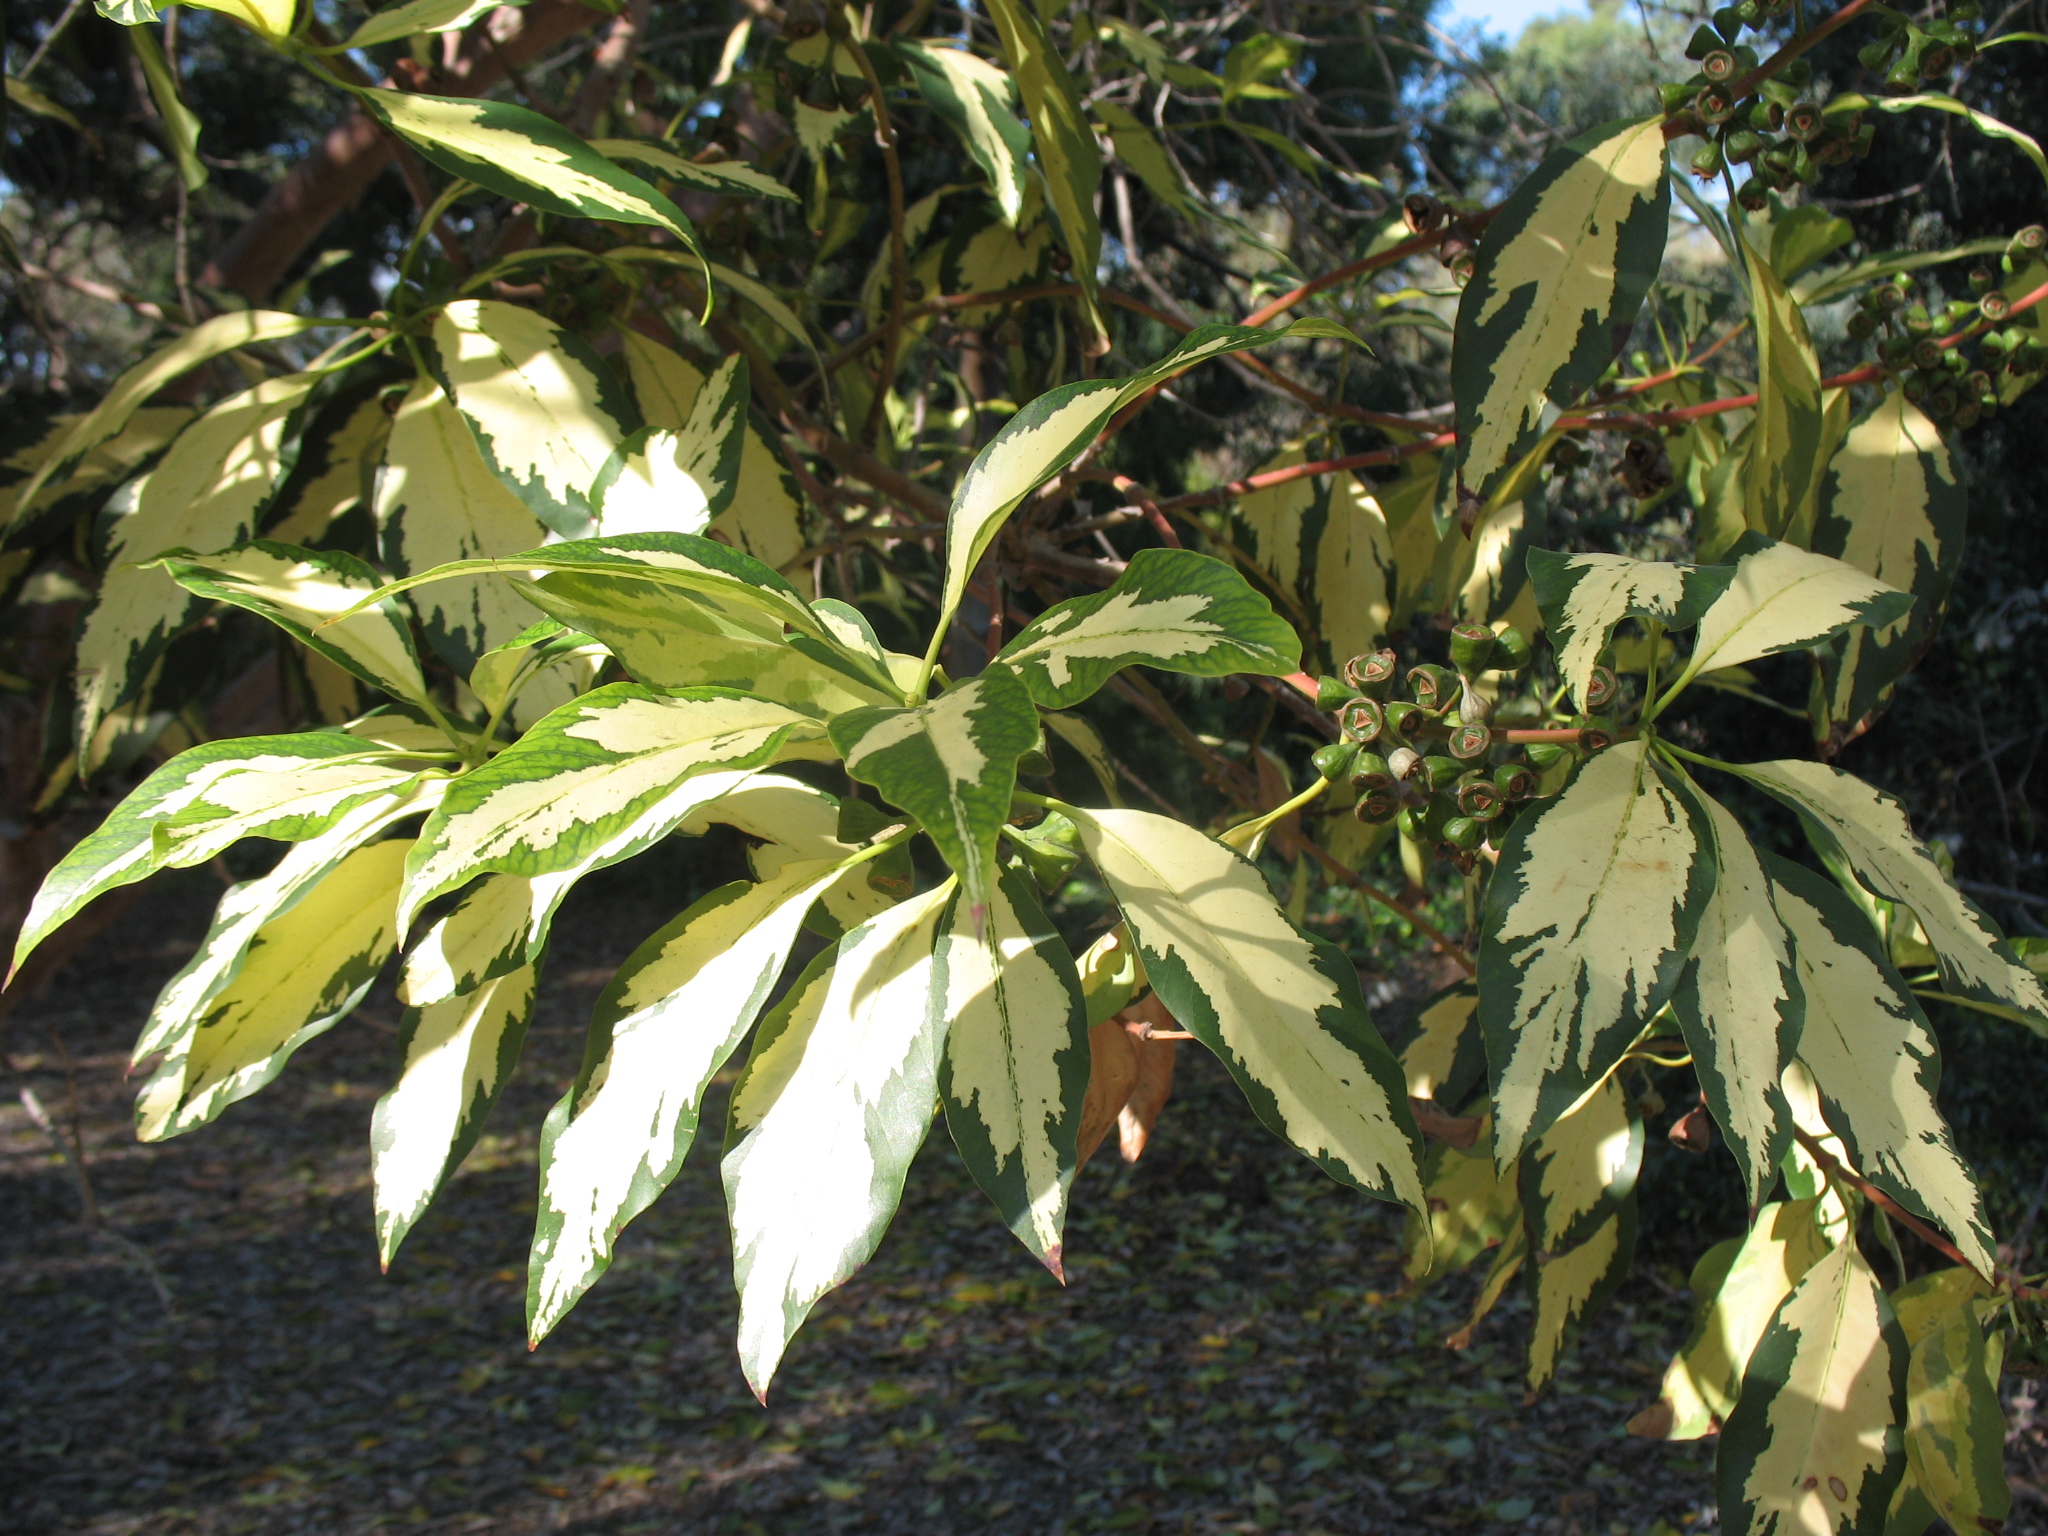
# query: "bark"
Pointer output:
{"type": "Point", "coordinates": [333, 178]}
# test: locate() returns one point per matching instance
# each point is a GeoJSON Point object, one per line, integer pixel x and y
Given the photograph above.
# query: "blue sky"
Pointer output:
{"type": "Point", "coordinates": [1505, 17]}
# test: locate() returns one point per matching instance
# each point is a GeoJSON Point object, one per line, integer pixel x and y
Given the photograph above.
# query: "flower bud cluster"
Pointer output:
{"type": "Point", "coordinates": [1459, 247]}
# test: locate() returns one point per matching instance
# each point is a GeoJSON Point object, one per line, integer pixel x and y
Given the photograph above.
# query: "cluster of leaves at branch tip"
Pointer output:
{"type": "Point", "coordinates": [590, 614]}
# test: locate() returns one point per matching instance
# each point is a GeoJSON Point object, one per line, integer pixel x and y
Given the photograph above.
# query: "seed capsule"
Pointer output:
{"type": "Point", "coordinates": [1718, 65]}
{"type": "Point", "coordinates": [1511, 650]}
{"type": "Point", "coordinates": [1514, 780]}
{"type": "Point", "coordinates": [1471, 740]}
{"type": "Point", "coordinates": [1715, 105]}
{"type": "Point", "coordinates": [1471, 648]}
{"type": "Point", "coordinates": [1370, 771]}
{"type": "Point", "coordinates": [1439, 773]}
{"type": "Point", "coordinates": [1362, 720]}
{"type": "Point", "coordinates": [1431, 686]}
{"type": "Point", "coordinates": [1405, 721]}
{"type": "Point", "coordinates": [1754, 196]}
{"type": "Point", "coordinates": [1481, 799]}
{"type": "Point", "coordinates": [2030, 241]}
{"type": "Point", "coordinates": [1603, 687]}
{"type": "Point", "coordinates": [1335, 760]}
{"type": "Point", "coordinates": [1421, 213]}
{"type": "Point", "coordinates": [1994, 305]}
{"type": "Point", "coordinates": [1463, 833]}
{"type": "Point", "coordinates": [1597, 735]}
{"type": "Point", "coordinates": [1378, 806]}
{"type": "Point", "coordinates": [1805, 122]}
{"type": "Point", "coordinates": [1372, 675]}
{"type": "Point", "coordinates": [1927, 353]}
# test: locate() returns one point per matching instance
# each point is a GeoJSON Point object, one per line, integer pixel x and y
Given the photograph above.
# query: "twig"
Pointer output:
{"type": "Point", "coordinates": [49, 38]}
{"type": "Point", "coordinates": [899, 263]}
{"type": "Point", "coordinates": [1421, 924]}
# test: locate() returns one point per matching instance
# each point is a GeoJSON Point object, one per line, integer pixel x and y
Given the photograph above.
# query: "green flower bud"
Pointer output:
{"type": "Point", "coordinates": [1544, 754]}
{"type": "Point", "coordinates": [1372, 675]}
{"type": "Point", "coordinates": [1463, 833]}
{"type": "Point", "coordinates": [1602, 689]}
{"type": "Point", "coordinates": [1362, 719]}
{"type": "Point", "coordinates": [1511, 650]}
{"type": "Point", "coordinates": [1992, 346]}
{"type": "Point", "coordinates": [1439, 773]}
{"type": "Point", "coordinates": [1331, 695]}
{"type": "Point", "coordinates": [1480, 798]}
{"type": "Point", "coordinates": [1707, 161]}
{"type": "Point", "coordinates": [1674, 96]}
{"type": "Point", "coordinates": [1433, 687]}
{"type": "Point", "coordinates": [1405, 721]}
{"type": "Point", "coordinates": [1334, 760]}
{"type": "Point", "coordinates": [1471, 740]}
{"type": "Point", "coordinates": [1370, 771]}
{"type": "Point", "coordinates": [1471, 648]}
{"type": "Point", "coordinates": [1514, 780]}
{"type": "Point", "coordinates": [1743, 146]}
{"type": "Point", "coordinates": [1412, 820]}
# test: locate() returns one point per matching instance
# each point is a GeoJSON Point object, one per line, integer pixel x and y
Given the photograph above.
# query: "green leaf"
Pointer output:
{"type": "Point", "coordinates": [546, 410]}
{"type": "Point", "coordinates": [664, 1025]}
{"type": "Point", "coordinates": [1893, 506]}
{"type": "Point", "coordinates": [1281, 1010]}
{"type": "Point", "coordinates": [1804, 235]}
{"type": "Point", "coordinates": [296, 973]}
{"type": "Point", "coordinates": [1874, 1059]}
{"type": "Point", "coordinates": [1254, 62]}
{"type": "Point", "coordinates": [302, 591]}
{"type": "Point", "coordinates": [952, 764]}
{"type": "Point", "coordinates": [531, 159]}
{"type": "Point", "coordinates": [974, 98]}
{"type": "Point", "coordinates": [766, 518]}
{"type": "Point", "coordinates": [180, 122]}
{"type": "Point", "coordinates": [1066, 149]}
{"type": "Point", "coordinates": [1138, 146]}
{"type": "Point", "coordinates": [1172, 609]}
{"type": "Point", "coordinates": [1955, 1424]}
{"type": "Point", "coordinates": [1082, 736]}
{"type": "Point", "coordinates": [1590, 915]}
{"type": "Point", "coordinates": [415, 17]}
{"type": "Point", "coordinates": [458, 1052]}
{"type": "Point", "coordinates": [207, 491]}
{"type": "Point", "coordinates": [205, 341]}
{"type": "Point", "coordinates": [205, 800]}
{"type": "Point", "coordinates": [1983, 122]}
{"type": "Point", "coordinates": [1871, 833]}
{"type": "Point", "coordinates": [1048, 434]}
{"type": "Point", "coordinates": [1571, 1286]}
{"type": "Point", "coordinates": [1813, 1447]}
{"type": "Point", "coordinates": [1785, 460]}
{"type": "Point", "coordinates": [1739, 1001]}
{"type": "Point", "coordinates": [664, 480]}
{"type": "Point", "coordinates": [1577, 1174]}
{"type": "Point", "coordinates": [1583, 597]}
{"type": "Point", "coordinates": [1016, 1064]}
{"type": "Point", "coordinates": [729, 178]}
{"type": "Point", "coordinates": [1705, 1377]}
{"type": "Point", "coordinates": [1784, 598]}
{"type": "Point", "coordinates": [835, 1101]}
{"type": "Point", "coordinates": [1561, 272]}
{"type": "Point", "coordinates": [597, 781]}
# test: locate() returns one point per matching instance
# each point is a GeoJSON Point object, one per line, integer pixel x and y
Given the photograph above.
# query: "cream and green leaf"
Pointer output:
{"type": "Point", "coordinates": [1281, 1010]}
{"type": "Point", "coordinates": [1577, 1174]}
{"type": "Point", "coordinates": [1572, 1285]}
{"type": "Point", "coordinates": [1561, 272]}
{"type": "Point", "coordinates": [1589, 918]}
{"type": "Point", "coordinates": [1582, 598]}
{"type": "Point", "coordinates": [1785, 457]}
{"type": "Point", "coordinates": [1784, 598]}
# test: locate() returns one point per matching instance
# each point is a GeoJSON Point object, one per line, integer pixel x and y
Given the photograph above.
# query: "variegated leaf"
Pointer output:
{"type": "Point", "coordinates": [205, 800]}
{"type": "Point", "coordinates": [1067, 153]}
{"type": "Point", "coordinates": [269, 18]}
{"type": "Point", "coordinates": [1280, 1009]}
{"type": "Point", "coordinates": [676, 480]}
{"type": "Point", "coordinates": [1813, 1447]}
{"type": "Point", "coordinates": [1324, 543]}
{"type": "Point", "coordinates": [1874, 1059]}
{"type": "Point", "coordinates": [834, 1103]}
{"type": "Point", "coordinates": [459, 1051]}
{"type": "Point", "coordinates": [975, 99]}
{"type": "Point", "coordinates": [531, 159]}
{"type": "Point", "coordinates": [334, 469]}
{"type": "Point", "coordinates": [796, 822]}
{"type": "Point", "coordinates": [1589, 917]}
{"type": "Point", "coordinates": [1870, 830]}
{"type": "Point", "coordinates": [205, 341]}
{"type": "Point", "coordinates": [1784, 599]}
{"type": "Point", "coordinates": [1040, 440]}
{"type": "Point", "coordinates": [665, 1023]}
{"type": "Point", "coordinates": [1015, 1069]}
{"type": "Point", "coordinates": [1892, 505]}
{"type": "Point", "coordinates": [1172, 609]}
{"type": "Point", "coordinates": [1078, 733]}
{"type": "Point", "coordinates": [304, 592]}
{"type": "Point", "coordinates": [731, 178]}
{"type": "Point", "coordinates": [1445, 1059]}
{"type": "Point", "coordinates": [437, 502]}
{"type": "Point", "coordinates": [1571, 1286]}
{"type": "Point", "coordinates": [417, 16]}
{"type": "Point", "coordinates": [545, 409]}
{"type": "Point", "coordinates": [1955, 1424]}
{"type": "Point", "coordinates": [1468, 1209]}
{"type": "Point", "coordinates": [1561, 272]}
{"type": "Point", "coordinates": [1785, 457]}
{"type": "Point", "coordinates": [598, 780]}
{"type": "Point", "coordinates": [98, 471]}
{"type": "Point", "coordinates": [952, 764]}
{"type": "Point", "coordinates": [1584, 596]}
{"type": "Point", "coordinates": [494, 929]}
{"type": "Point", "coordinates": [1578, 1172]}
{"type": "Point", "coordinates": [298, 973]}
{"type": "Point", "coordinates": [207, 491]}
{"type": "Point", "coordinates": [1739, 1001]}
{"type": "Point", "coordinates": [1705, 1377]}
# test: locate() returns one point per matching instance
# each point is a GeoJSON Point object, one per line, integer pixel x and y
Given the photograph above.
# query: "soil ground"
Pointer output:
{"type": "Point", "coordinates": [1233, 1353]}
